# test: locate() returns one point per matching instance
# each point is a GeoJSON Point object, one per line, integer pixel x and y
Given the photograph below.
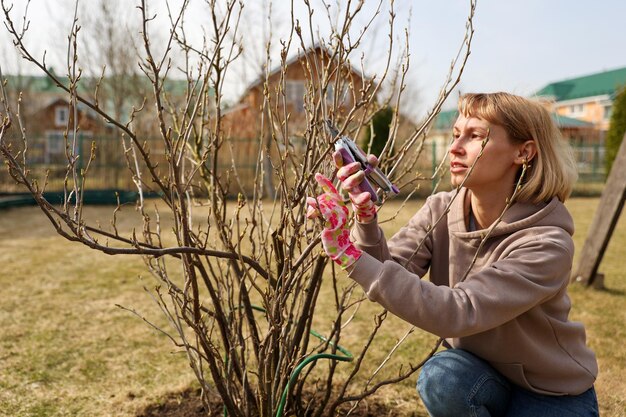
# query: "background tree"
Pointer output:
{"type": "Point", "coordinates": [377, 136]}
{"type": "Point", "coordinates": [617, 127]}
{"type": "Point", "coordinates": [238, 283]}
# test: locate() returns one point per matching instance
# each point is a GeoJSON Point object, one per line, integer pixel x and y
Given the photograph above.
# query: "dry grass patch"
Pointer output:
{"type": "Point", "coordinates": [66, 350]}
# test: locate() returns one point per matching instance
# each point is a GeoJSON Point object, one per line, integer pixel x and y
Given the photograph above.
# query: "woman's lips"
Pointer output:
{"type": "Point", "coordinates": [457, 167]}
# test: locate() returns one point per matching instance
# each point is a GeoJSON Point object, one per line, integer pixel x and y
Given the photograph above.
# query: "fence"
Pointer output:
{"type": "Point", "coordinates": [46, 161]}
{"type": "Point", "coordinates": [590, 160]}
{"type": "Point", "coordinates": [237, 164]}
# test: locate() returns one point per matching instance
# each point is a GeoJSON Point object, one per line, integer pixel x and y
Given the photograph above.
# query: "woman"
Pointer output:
{"type": "Point", "coordinates": [499, 254]}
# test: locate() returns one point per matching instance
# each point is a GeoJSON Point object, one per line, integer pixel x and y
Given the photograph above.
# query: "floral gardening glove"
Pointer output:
{"type": "Point", "coordinates": [351, 176]}
{"type": "Point", "coordinates": [336, 235]}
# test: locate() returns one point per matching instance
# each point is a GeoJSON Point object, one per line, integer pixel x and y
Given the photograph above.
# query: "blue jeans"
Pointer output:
{"type": "Point", "coordinates": [456, 383]}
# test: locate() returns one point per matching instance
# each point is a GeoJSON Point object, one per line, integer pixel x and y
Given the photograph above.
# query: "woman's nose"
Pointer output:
{"type": "Point", "coordinates": [456, 147]}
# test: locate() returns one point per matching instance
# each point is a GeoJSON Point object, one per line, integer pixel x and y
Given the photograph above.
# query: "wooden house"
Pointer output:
{"type": "Point", "coordinates": [294, 86]}
{"type": "Point", "coordinates": [290, 90]}
{"type": "Point", "coordinates": [49, 120]}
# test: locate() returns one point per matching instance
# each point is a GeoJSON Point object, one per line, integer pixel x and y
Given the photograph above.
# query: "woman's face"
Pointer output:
{"type": "Point", "coordinates": [497, 167]}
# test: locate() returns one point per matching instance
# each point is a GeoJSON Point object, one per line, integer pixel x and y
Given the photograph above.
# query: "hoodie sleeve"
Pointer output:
{"type": "Point", "coordinates": [411, 246]}
{"type": "Point", "coordinates": [529, 273]}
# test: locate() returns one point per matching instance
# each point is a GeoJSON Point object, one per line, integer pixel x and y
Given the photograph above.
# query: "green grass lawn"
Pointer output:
{"type": "Point", "coordinates": [67, 350]}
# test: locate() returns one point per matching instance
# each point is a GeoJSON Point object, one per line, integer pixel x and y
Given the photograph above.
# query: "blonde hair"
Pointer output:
{"type": "Point", "coordinates": [552, 171]}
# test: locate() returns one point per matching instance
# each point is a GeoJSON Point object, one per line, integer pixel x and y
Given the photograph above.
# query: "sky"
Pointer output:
{"type": "Point", "coordinates": [518, 46]}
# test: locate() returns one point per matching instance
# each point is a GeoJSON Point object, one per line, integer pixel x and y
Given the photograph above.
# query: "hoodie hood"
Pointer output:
{"type": "Point", "coordinates": [517, 217]}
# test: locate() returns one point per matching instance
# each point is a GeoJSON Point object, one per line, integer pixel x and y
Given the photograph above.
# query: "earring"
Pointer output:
{"type": "Point", "coordinates": [525, 163]}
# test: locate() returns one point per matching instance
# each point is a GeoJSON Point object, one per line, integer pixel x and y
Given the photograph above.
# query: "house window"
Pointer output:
{"type": "Point", "coordinates": [61, 116]}
{"type": "Point", "coordinates": [607, 112]}
{"type": "Point", "coordinates": [55, 148]}
{"type": "Point", "coordinates": [343, 99]}
{"type": "Point", "coordinates": [295, 90]}
{"type": "Point", "coordinates": [56, 145]}
{"type": "Point", "coordinates": [576, 109]}
{"type": "Point", "coordinates": [56, 142]}
{"type": "Point", "coordinates": [330, 93]}
{"type": "Point", "coordinates": [299, 144]}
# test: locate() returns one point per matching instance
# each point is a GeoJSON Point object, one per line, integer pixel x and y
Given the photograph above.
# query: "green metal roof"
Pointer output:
{"type": "Point", "coordinates": [564, 121]}
{"type": "Point", "coordinates": [43, 84]}
{"type": "Point", "coordinates": [601, 83]}
{"type": "Point", "coordinates": [445, 119]}
{"type": "Point", "coordinates": [36, 83]}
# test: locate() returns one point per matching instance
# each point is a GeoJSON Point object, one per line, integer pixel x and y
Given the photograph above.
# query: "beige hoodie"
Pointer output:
{"type": "Point", "coordinates": [511, 310]}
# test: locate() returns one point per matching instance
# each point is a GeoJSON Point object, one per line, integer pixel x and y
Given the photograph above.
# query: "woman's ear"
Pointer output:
{"type": "Point", "coordinates": [527, 151]}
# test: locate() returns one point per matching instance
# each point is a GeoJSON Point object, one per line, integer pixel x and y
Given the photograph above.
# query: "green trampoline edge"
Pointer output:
{"type": "Point", "coordinates": [91, 197]}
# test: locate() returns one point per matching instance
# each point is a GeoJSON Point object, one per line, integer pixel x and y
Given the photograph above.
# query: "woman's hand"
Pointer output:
{"type": "Point", "coordinates": [351, 176]}
{"type": "Point", "coordinates": [336, 235]}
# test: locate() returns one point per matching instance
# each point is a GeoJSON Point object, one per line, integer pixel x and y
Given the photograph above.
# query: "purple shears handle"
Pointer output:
{"type": "Point", "coordinates": [365, 184]}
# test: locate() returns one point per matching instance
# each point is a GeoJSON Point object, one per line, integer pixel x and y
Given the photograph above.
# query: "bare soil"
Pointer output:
{"type": "Point", "coordinates": [187, 403]}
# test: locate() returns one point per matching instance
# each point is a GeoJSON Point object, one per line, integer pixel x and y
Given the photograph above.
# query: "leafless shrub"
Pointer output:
{"type": "Point", "coordinates": [252, 272]}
